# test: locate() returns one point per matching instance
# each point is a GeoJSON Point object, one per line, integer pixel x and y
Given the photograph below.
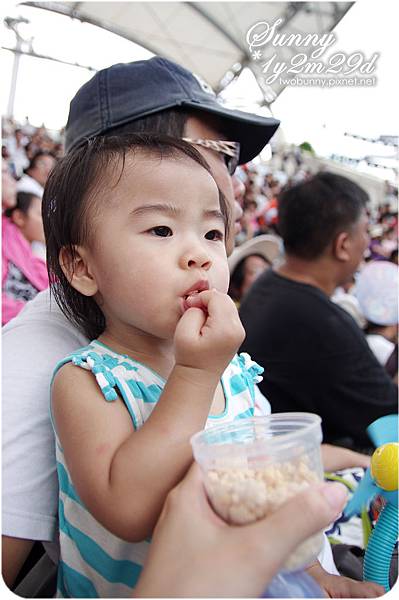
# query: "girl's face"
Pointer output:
{"type": "Point", "coordinates": [159, 236]}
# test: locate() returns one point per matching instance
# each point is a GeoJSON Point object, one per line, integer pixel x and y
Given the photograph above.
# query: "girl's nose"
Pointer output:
{"type": "Point", "coordinates": [195, 258]}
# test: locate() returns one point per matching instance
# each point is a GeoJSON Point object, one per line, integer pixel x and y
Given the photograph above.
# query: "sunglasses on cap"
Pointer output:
{"type": "Point", "coordinates": [230, 150]}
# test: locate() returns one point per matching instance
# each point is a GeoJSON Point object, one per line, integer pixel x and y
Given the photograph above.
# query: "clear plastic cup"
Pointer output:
{"type": "Point", "coordinates": [251, 466]}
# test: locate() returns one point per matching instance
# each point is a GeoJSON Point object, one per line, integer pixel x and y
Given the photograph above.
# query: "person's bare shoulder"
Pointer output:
{"type": "Point", "coordinates": [90, 430]}
{"type": "Point", "coordinates": [76, 397]}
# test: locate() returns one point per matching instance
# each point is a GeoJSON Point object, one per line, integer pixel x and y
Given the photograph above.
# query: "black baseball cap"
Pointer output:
{"type": "Point", "coordinates": [128, 91]}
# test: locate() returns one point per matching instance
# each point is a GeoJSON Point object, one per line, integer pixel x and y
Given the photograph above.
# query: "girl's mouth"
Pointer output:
{"type": "Point", "coordinates": [193, 300]}
{"type": "Point", "coordinates": [191, 297]}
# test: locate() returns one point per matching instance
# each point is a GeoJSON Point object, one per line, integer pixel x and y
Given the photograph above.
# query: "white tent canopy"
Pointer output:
{"type": "Point", "coordinates": [208, 38]}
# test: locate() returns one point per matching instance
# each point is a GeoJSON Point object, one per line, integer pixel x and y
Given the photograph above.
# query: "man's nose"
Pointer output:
{"type": "Point", "coordinates": [238, 189]}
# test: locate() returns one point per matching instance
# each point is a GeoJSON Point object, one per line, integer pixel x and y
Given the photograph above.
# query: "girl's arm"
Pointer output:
{"type": "Point", "coordinates": [123, 476]}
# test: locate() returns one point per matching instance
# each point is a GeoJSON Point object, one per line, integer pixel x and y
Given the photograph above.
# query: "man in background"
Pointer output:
{"type": "Point", "coordinates": [315, 356]}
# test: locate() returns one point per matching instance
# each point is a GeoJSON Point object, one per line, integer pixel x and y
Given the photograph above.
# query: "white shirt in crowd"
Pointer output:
{"type": "Point", "coordinates": [381, 347]}
{"type": "Point", "coordinates": [30, 185]}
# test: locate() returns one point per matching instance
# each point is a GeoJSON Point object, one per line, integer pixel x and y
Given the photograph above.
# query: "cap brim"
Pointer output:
{"type": "Point", "coordinates": [252, 131]}
{"type": "Point", "coordinates": [267, 245]}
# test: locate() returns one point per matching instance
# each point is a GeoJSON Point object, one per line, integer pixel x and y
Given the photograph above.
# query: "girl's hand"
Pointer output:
{"type": "Point", "coordinates": [209, 332]}
{"type": "Point", "coordinates": [336, 586]}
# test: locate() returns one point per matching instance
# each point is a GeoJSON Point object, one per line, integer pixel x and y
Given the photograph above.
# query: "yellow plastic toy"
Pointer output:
{"type": "Point", "coordinates": [381, 479]}
{"type": "Point", "coordinates": [384, 466]}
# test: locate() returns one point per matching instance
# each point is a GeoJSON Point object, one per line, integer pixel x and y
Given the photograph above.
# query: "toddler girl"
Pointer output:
{"type": "Point", "coordinates": [135, 228]}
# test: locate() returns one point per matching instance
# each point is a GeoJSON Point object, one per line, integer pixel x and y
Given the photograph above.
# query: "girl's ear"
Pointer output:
{"type": "Point", "coordinates": [76, 268]}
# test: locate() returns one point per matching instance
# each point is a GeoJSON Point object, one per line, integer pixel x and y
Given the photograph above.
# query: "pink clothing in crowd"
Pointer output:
{"type": "Point", "coordinates": [17, 253]}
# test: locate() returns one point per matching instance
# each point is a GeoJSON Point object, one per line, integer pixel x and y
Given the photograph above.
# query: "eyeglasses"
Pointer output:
{"type": "Point", "coordinates": [230, 150]}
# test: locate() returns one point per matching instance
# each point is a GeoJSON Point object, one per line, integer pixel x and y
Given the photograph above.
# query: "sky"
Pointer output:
{"type": "Point", "coordinates": [369, 27]}
{"type": "Point", "coordinates": [320, 116]}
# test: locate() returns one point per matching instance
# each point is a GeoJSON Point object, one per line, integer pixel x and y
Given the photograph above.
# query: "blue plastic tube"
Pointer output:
{"type": "Point", "coordinates": [378, 556]}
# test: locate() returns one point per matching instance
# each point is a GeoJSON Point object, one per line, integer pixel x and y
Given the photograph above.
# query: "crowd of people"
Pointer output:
{"type": "Point", "coordinates": [121, 242]}
{"type": "Point", "coordinates": [28, 156]}
{"type": "Point", "coordinates": [264, 183]}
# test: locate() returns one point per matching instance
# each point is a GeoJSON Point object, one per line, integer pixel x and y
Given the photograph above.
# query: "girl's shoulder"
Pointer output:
{"type": "Point", "coordinates": [67, 376]}
{"type": "Point", "coordinates": [243, 364]}
{"type": "Point", "coordinates": [115, 374]}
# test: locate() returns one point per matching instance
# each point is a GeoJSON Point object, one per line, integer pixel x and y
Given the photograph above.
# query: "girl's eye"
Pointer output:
{"type": "Point", "coordinates": [161, 231]}
{"type": "Point", "coordinates": [214, 235]}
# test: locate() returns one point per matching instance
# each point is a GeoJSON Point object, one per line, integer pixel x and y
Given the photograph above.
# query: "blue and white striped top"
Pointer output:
{"type": "Point", "coordinates": [94, 562]}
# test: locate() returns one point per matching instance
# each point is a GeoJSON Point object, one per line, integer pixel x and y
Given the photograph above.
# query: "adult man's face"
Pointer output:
{"type": "Point", "coordinates": [231, 187]}
{"type": "Point", "coordinates": [358, 241]}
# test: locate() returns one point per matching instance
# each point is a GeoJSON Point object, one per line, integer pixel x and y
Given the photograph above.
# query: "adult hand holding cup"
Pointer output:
{"type": "Point", "coordinates": [253, 466]}
{"type": "Point", "coordinates": [214, 559]}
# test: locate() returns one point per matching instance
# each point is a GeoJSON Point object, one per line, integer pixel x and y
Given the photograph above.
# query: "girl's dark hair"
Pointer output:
{"type": "Point", "coordinates": [70, 198]}
{"type": "Point", "coordinates": [24, 200]}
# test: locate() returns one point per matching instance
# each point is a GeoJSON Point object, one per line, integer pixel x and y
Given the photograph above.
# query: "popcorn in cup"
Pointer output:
{"type": "Point", "coordinates": [251, 466]}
